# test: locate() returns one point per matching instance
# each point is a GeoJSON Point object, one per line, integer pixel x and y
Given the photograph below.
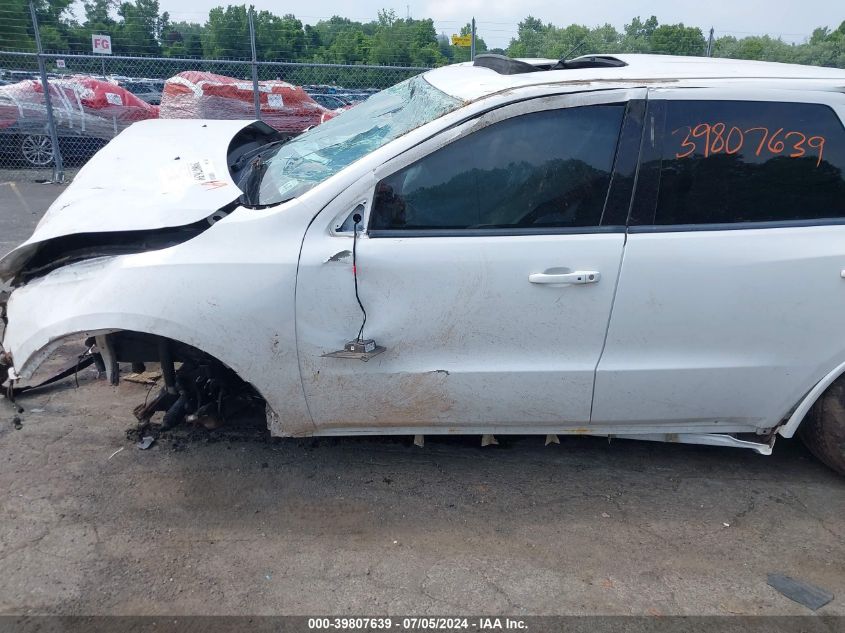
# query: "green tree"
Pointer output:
{"type": "Point", "coordinates": [637, 35]}
{"type": "Point", "coordinates": [278, 38]}
{"type": "Point", "coordinates": [677, 39]}
{"type": "Point", "coordinates": [404, 42]}
{"type": "Point", "coordinates": [16, 34]}
{"type": "Point", "coordinates": [140, 28]}
{"type": "Point", "coordinates": [530, 38]}
{"type": "Point", "coordinates": [226, 33]}
{"type": "Point", "coordinates": [182, 39]}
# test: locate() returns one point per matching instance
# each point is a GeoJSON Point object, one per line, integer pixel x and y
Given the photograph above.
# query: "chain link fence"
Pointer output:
{"type": "Point", "coordinates": [92, 98]}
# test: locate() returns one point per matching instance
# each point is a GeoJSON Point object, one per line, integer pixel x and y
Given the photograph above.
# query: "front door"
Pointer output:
{"type": "Point", "coordinates": [487, 271]}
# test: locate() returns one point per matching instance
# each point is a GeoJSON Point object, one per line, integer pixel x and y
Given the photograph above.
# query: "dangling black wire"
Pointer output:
{"type": "Point", "coordinates": [357, 219]}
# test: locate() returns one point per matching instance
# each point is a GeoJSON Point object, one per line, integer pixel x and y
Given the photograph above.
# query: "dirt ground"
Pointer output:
{"type": "Point", "coordinates": [232, 522]}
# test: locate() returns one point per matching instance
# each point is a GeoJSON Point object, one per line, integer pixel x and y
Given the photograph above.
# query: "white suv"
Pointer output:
{"type": "Point", "coordinates": [632, 246]}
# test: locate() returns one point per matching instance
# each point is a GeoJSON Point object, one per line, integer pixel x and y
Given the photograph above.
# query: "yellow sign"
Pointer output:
{"type": "Point", "coordinates": [462, 40]}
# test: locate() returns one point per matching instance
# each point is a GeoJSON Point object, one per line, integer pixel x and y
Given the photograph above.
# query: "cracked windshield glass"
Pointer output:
{"type": "Point", "coordinates": [297, 166]}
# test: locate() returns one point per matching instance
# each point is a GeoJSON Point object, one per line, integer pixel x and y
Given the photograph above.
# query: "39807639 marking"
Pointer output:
{"type": "Point", "coordinates": [716, 138]}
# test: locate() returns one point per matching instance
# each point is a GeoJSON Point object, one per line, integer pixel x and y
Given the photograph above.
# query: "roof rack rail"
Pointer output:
{"type": "Point", "coordinates": [507, 66]}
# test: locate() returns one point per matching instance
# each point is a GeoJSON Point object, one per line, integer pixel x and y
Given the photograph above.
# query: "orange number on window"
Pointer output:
{"type": "Point", "coordinates": [738, 146]}
{"type": "Point", "coordinates": [776, 147]}
{"type": "Point", "coordinates": [819, 145]}
{"type": "Point", "coordinates": [718, 144]}
{"type": "Point", "coordinates": [686, 143]}
{"type": "Point", "coordinates": [797, 150]}
{"type": "Point", "coordinates": [703, 129]}
{"type": "Point", "coordinates": [765, 132]}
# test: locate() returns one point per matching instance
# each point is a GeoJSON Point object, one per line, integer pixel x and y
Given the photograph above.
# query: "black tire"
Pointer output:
{"type": "Point", "coordinates": [823, 430]}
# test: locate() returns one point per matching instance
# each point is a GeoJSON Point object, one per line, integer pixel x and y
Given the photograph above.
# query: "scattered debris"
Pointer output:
{"type": "Point", "coordinates": [36, 411]}
{"type": "Point", "coordinates": [146, 442]}
{"type": "Point", "coordinates": [419, 440]}
{"type": "Point", "coordinates": [605, 515]}
{"type": "Point", "coordinates": [552, 439]}
{"type": "Point", "coordinates": [804, 593]}
{"type": "Point", "coordinates": [16, 422]}
{"type": "Point", "coordinates": [116, 452]}
{"type": "Point", "coordinates": [144, 378]}
{"type": "Point", "coordinates": [726, 524]}
{"type": "Point", "coordinates": [487, 440]}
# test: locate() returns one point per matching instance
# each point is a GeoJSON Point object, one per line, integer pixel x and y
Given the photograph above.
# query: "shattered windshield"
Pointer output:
{"type": "Point", "coordinates": [291, 169]}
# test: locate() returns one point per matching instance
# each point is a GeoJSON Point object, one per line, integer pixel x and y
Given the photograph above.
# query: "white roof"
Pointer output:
{"type": "Point", "coordinates": [468, 82]}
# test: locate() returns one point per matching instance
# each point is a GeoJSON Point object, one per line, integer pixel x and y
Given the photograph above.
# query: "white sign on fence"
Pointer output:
{"type": "Point", "coordinates": [101, 44]}
{"type": "Point", "coordinates": [60, 63]}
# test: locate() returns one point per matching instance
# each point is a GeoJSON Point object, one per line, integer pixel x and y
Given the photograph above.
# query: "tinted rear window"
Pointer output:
{"type": "Point", "coordinates": [732, 161]}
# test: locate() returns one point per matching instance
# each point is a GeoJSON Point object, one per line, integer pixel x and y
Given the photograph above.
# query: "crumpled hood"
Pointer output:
{"type": "Point", "coordinates": [155, 174]}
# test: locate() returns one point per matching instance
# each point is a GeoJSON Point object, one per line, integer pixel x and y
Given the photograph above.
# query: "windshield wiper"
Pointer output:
{"type": "Point", "coordinates": [258, 151]}
{"type": "Point", "coordinates": [250, 184]}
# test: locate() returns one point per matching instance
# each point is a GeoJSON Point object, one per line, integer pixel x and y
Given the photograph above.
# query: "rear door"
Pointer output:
{"type": "Point", "coordinates": [487, 270]}
{"type": "Point", "coordinates": [731, 295]}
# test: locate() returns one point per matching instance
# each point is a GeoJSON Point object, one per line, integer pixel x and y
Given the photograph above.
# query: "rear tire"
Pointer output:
{"type": "Point", "coordinates": [823, 430]}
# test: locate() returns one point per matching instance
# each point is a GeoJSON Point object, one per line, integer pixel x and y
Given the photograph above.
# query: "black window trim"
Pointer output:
{"type": "Point", "coordinates": [651, 179]}
{"type": "Point", "coordinates": [633, 116]}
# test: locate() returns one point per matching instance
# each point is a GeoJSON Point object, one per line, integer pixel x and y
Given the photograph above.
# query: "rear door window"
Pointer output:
{"type": "Point", "coordinates": [727, 162]}
{"type": "Point", "coordinates": [546, 169]}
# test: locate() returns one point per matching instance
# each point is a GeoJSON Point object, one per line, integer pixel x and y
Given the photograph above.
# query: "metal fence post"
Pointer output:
{"type": "Point", "coordinates": [255, 94]}
{"type": "Point", "coordinates": [710, 44]}
{"type": "Point", "coordinates": [58, 167]}
{"type": "Point", "coordinates": [472, 41]}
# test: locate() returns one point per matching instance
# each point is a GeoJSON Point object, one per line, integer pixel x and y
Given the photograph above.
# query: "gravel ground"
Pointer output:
{"type": "Point", "coordinates": [233, 522]}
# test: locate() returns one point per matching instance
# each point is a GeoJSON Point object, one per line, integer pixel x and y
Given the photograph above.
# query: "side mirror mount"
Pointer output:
{"type": "Point", "coordinates": [348, 224]}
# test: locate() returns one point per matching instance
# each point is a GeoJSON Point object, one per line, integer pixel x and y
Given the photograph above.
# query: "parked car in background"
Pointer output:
{"type": "Point", "coordinates": [201, 95]}
{"type": "Point", "coordinates": [88, 113]}
{"type": "Point", "coordinates": [627, 246]}
{"type": "Point", "coordinates": [332, 102]}
{"type": "Point", "coordinates": [147, 89]}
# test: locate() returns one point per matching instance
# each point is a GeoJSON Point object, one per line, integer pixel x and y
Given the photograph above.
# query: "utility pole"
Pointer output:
{"type": "Point", "coordinates": [710, 43]}
{"type": "Point", "coordinates": [472, 43]}
{"type": "Point", "coordinates": [58, 167]}
{"type": "Point", "coordinates": [256, 98]}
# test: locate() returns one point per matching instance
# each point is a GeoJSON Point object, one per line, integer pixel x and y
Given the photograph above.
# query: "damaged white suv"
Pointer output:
{"type": "Point", "coordinates": [631, 246]}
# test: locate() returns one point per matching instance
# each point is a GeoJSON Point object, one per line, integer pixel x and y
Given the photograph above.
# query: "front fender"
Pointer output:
{"type": "Point", "coordinates": [206, 305]}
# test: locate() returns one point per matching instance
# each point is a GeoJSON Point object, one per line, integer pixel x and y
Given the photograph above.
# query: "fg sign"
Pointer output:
{"type": "Point", "coordinates": [101, 44]}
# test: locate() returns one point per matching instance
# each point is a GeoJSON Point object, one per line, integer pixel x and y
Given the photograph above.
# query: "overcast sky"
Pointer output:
{"type": "Point", "coordinates": [497, 19]}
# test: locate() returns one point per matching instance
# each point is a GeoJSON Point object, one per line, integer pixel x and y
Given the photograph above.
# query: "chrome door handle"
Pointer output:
{"type": "Point", "coordinates": [578, 277]}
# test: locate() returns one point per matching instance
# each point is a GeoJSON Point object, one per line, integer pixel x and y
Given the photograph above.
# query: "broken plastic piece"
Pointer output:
{"type": "Point", "coordinates": [810, 596]}
{"type": "Point", "coordinates": [146, 442]}
{"type": "Point", "coordinates": [551, 438]}
{"type": "Point", "coordinates": [487, 440]}
{"type": "Point", "coordinates": [419, 440]}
